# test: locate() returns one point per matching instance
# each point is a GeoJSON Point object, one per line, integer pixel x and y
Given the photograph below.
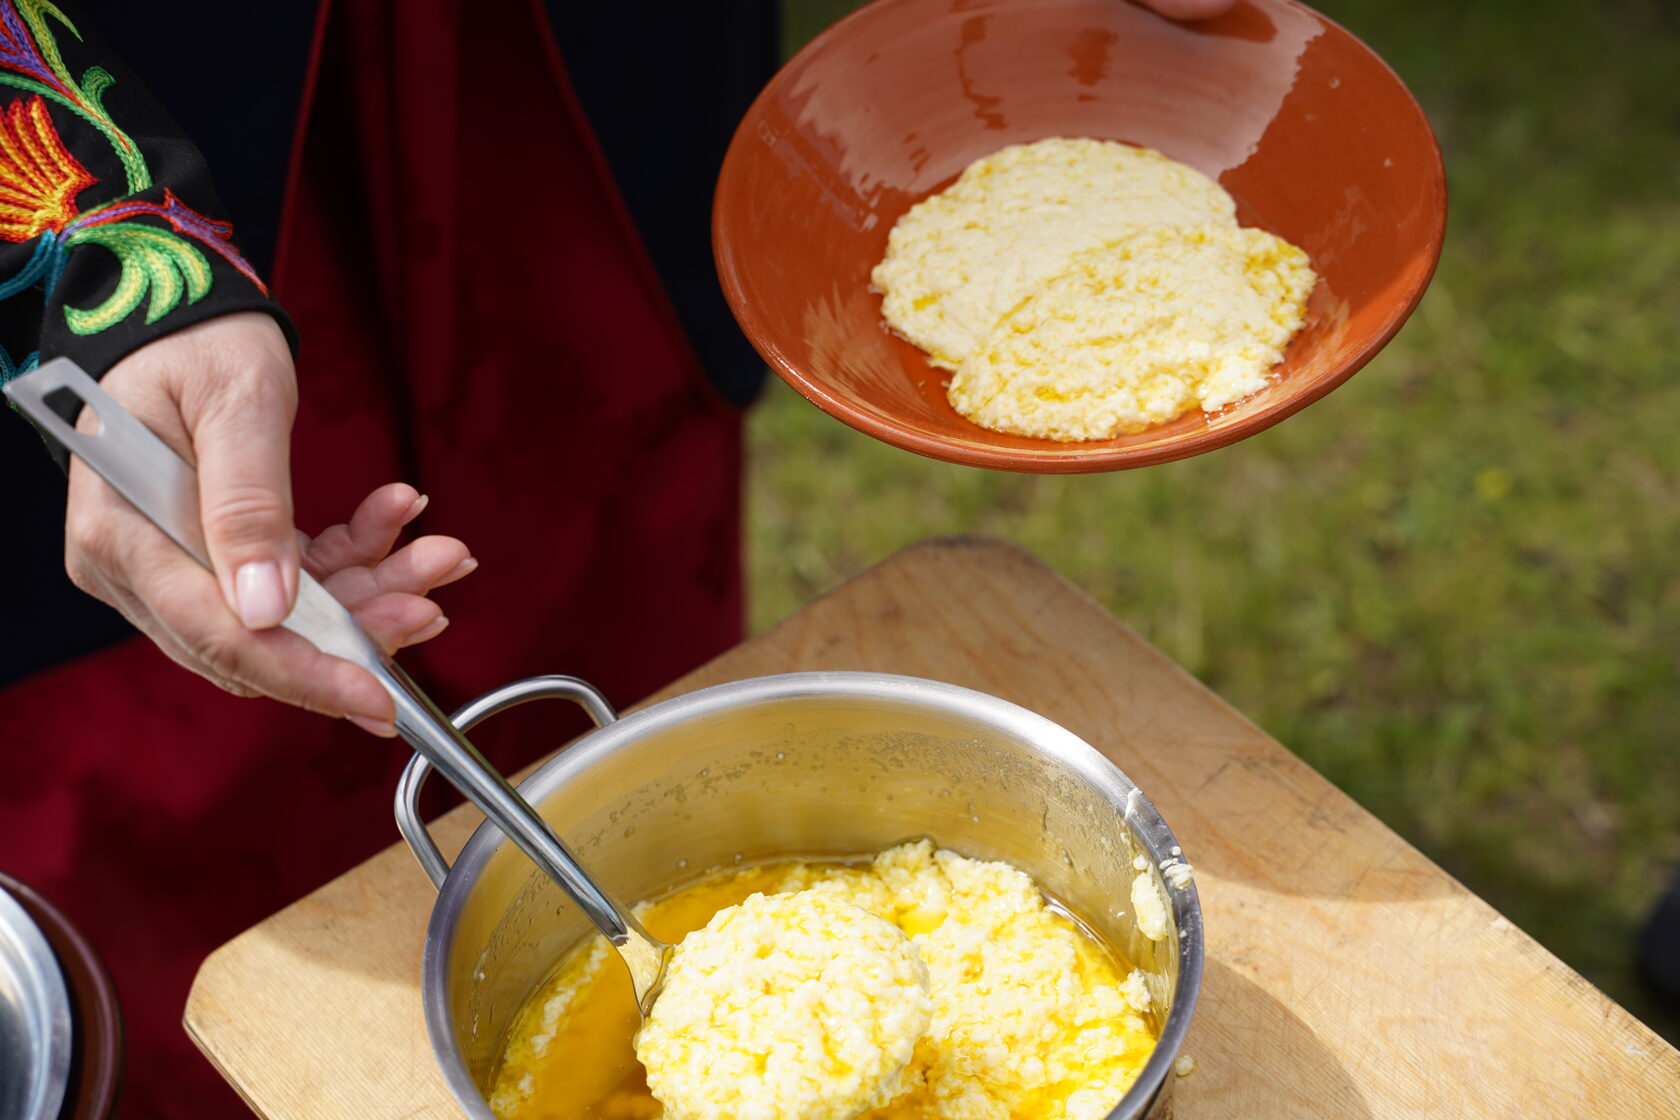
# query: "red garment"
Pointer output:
{"type": "Point", "coordinates": [478, 318]}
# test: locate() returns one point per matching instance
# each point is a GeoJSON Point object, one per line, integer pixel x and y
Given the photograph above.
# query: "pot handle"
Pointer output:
{"type": "Point", "coordinates": [465, 719]}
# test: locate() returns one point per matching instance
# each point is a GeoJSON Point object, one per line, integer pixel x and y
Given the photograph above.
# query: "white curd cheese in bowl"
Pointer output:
{"type": "Point", "coordinates": [1083, 289]}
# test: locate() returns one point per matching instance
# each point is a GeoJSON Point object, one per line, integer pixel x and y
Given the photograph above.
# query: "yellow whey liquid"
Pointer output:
{"type": "Point", "coordinates": [1032, 1018]}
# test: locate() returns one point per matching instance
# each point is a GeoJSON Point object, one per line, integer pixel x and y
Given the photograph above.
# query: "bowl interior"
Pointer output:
{"type": "Point", "coordinates": [1312, 134]}
{"type": "Point", "coordinates": [836, 764]}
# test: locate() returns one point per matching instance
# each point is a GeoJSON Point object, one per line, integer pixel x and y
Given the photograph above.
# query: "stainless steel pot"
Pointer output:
{"type": "Point", "coordinates": [34, 1019]}
{"type": "Point", "coordinates": [65, 1064]}
{"type": "Point", "coordinates": [806, 764]}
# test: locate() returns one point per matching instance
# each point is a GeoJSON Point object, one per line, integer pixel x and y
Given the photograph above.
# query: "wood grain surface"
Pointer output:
{"type": "Point", "coordinates": [1347, 976]}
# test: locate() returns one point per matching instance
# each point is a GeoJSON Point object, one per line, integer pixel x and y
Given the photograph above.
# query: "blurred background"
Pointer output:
{"type": "Point", "coordinates": [1453, 585]}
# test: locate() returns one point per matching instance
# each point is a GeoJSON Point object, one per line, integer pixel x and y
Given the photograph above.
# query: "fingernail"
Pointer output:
{"type": "Point", "coordinates": [385, 729]}
{"type": "Point", "coordinates": [431, 630]}
{"type": "Point", "coordinates": [463, 568]}
{"type": "Point", "coordinates": [415, 507]}
{"type": "Point", "coordinates": [260, 595]}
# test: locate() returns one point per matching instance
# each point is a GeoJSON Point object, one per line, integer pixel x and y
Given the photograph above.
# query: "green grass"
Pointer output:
{"type": "Point", "coordinates": [1453, 586]}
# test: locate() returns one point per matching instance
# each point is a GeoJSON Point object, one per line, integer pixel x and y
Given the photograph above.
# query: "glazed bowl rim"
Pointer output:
{"type": "Point", "coordinates": [1053, 457]}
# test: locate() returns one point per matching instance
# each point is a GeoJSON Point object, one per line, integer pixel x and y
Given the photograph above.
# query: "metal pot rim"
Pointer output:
{"type": "Point", "coordinates": [1045, 734]}
{"type": "Point", "coordinates": [35, 1010]}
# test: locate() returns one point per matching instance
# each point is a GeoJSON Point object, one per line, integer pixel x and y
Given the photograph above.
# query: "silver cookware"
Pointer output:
{"type": "Point", "coordinates": [831, 764]}
{"type": "Point", "coordinates": [35, 1042]}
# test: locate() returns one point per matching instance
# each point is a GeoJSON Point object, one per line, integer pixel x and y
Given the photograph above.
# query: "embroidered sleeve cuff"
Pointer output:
{"type": "Point", "coordinates": [139, 269]}
{"type": "Point", "coordinates": [110, 234]}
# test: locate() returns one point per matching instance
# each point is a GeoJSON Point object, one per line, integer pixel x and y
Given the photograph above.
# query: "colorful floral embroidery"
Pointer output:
{"type": "Point", "coordinates": [217, 236]}
{"type": "Point", "coordinates": [40, 179]}
{"type": "Point", "coordinates": [35, 65]}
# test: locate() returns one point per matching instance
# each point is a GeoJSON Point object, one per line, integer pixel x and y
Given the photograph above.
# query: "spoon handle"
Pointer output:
{"type": "Point", "coordinates": [163, 487]}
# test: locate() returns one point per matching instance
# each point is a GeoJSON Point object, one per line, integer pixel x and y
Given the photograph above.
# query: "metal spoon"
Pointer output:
{"type": "Point", "coordinates": [163, 487]}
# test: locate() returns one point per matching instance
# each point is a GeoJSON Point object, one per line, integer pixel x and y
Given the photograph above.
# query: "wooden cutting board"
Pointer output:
{"type": "Point", "coordinates": [1347, 976]}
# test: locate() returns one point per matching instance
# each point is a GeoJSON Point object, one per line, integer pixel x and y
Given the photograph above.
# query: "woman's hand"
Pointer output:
{"type": "Point", "coordinates": [385, 590]}
{"type": "Point", "coordinates": [223, 394]}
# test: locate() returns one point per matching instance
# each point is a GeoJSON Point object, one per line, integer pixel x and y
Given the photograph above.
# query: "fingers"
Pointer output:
{"type": "Point", "coordinates": [398, 620]}
{"type": "Point", "coordinates": [274, 662]}
{"type": "Point", "coordinates": [389, 600]}
{"type": "Point", "coordinates": [91, 530]}
{"type": "Point", "coordinates": [223, 393]}
{"type": "Point", "coordinates": [126, 561]}
{"type": "Point", "coordinates": [415, 569]}
{"type": "Point", "coordinates": [244, 482]}
{"type": "Point", "coordinates": [370, 532]}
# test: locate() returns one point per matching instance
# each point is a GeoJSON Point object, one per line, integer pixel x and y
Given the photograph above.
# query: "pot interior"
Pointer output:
{"type": "Point", "coordinates": [811, 764]}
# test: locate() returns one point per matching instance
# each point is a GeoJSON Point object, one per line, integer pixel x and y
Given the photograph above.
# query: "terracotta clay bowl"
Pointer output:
{"type": "Point", "coordinates": [1311, 133]}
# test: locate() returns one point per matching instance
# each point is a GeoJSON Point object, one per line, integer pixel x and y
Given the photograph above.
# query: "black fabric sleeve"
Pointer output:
{"type": "Point", "coordinates": [111, 234]}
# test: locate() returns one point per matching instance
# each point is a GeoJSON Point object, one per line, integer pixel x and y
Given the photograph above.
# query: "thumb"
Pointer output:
{"type": "Point", "coordinates": [242, 442]}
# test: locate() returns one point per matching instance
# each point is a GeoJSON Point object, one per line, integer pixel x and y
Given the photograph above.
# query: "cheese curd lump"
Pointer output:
{"type": "Point", "coordinates": [1030, 1018]}
{"type": "Point", "coordinates": [794, 1006]}
{"type": "Point", "coordinates": [1083, 289]}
